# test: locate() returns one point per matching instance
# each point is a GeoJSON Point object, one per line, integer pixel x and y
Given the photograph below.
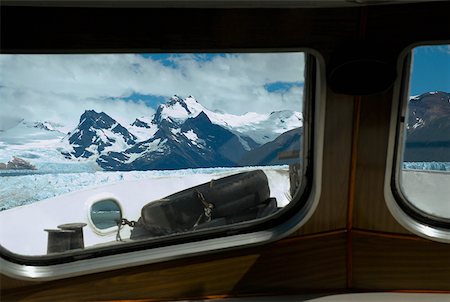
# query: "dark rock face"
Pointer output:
{"type": "Point", "coordinates": [197, 143]}
{"type": "Point", "coordinates": [141, 124]}
{"type": "Point", "coordinates": [284, 150]}
{"type": "Point", "coordinates": [428, 128]}
{"type": "Point", "coordinates": [95, 132]}
{"type": "Point", "coordinates": [215, 138]}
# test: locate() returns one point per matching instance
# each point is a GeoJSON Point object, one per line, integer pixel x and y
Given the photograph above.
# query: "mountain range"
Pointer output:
{"type": "Point", "coordinates": [184, 134]}
{"type": "Point", "coordinates": [428, 128]}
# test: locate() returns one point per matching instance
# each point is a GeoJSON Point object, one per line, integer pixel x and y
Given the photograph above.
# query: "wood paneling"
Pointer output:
{"type": "Point", "coordinates": [370, 210]}
{"type": "Point", "coordinates": [155, 30]}
{"type": "Point", "coordinates": [331, 211]}
{"type": "Point", "coordinates": [395, 263]}
{"type": "Point", "coordinates": [196, 278]}
{"type": "Point", "coordinates": [294, 265]}
{"type": "Point", "coordinates": [395, 28]}
{"type": "Point", "coordinates": [314, 262]}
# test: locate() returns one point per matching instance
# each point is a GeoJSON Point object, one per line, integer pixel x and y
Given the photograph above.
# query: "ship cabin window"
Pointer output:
{"type": "Point", "coordinates": [421, 181]}
{"type": "Point", "coordinates": [105, 214]}
{"type": "Point", "coordinates": [143, 151]}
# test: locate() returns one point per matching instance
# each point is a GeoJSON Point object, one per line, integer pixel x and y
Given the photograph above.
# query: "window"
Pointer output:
{"type": "Point", "coordinates": [144, 151]}
{"type": "Point", "coordinates": [423, 169]}
{"type": "Point", "coordinates": [105, 213]}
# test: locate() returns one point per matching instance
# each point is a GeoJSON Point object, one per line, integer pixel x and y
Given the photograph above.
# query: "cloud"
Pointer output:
{"type": "Point", "coordinates": [441, 48]}
{"type": "Point", "coordinates": [61, 87]}
{"type": "Point", "coordinates": [430, 49]}
{"type": "Point", "coordinates": [63, 109]}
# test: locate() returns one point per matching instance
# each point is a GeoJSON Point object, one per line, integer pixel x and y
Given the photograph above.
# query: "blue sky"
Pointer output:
{"type": "Point", "coordinates": [150, 100]}
{"type": "Point", "coordinates": [431, 69]}
{"type": "Point", "coordinates": [171, 59]}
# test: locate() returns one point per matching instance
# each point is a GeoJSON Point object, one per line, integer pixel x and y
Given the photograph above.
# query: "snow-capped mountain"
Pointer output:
{"type": "Point", "coordinates": [27, 127]}
{"type": "Point", "coordinates": [194, 143]}
{"type": "Point", "coordinates": [97, 134]}
{"type": "Point", "coordinates": [261, 128]}
{"type": "Point", "coordinates": [47, 126]}
{"type": "Point", "coordinates": [428, 107]}
{"type": "Point", "coordinates": [282, 150]}
{"type": "Point", "coordinates": [42, 148]}
{"type": "Point", "coordinates": [428, 128]}
{"type": "Point", "coordinates": [181, 134]}
{"type": "Point", "coordinates": [31, 140]}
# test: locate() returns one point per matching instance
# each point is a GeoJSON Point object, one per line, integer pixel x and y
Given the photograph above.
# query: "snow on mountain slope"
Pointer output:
{"type": "Point", "coordinates": [262, 128]}
{"type": "Point", "coordinates": [428, 128]}
{"type": "Point", "coordinates": [143, 128]}
{"type": "Point", "coordinates": [32, 141]}
{"type": "Point", "coordinates": [182, 132]}
{"type": "Point", "coordinates": [276, 123]}
{"type": "Point", "coordinates": [97, 134]}
{"type": "Point", "coordinates": [196, 143]}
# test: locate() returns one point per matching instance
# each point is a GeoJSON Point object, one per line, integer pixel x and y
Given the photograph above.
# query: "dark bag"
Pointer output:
{"type": "Point", "coordinates": [231, 199]}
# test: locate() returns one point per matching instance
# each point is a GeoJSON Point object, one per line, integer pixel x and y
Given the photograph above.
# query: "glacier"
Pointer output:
{"type": "Point", "coordinates": [22, 187]}
{"type": "Point", "coordinates": [27, 188]}
{"type": "Point", "coordinates": [432, 166]}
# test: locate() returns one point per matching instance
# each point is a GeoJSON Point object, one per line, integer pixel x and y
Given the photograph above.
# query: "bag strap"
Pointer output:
{"type": "Point", "coordinates": [207, 208]}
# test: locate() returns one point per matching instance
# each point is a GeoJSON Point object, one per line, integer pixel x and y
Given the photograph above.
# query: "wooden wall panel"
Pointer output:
{"type": "Point", "coordinates": [299, 264]}
{"type": "Point", "coordinates": [65, 29]}
{"type": "Point", "coordinates": [331, 213]}
{"type": "Point", "coordinates": [395, 27]}
{"type": "Point", "coordinates": [396, 263]}
{"type": "Point", "coordinates": [313, 263]}
{"type": "Point", "coordinates": [193, 278]}
{"type": "Point", "coordinates": [370, 210]}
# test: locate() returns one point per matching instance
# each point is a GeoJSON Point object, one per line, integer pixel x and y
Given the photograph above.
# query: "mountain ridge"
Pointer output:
{"type": "Point", "coordinates": [428, 128]}
{"type": "Point", "coordinates": [181, 134]}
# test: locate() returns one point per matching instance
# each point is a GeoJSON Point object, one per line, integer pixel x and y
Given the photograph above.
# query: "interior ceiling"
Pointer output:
{"type": "Point", "coordinates": [209, 3]}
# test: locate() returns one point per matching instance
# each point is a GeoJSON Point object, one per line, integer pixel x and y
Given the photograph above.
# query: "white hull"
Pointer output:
{"type": "Point", "coordinates": [22, 228]}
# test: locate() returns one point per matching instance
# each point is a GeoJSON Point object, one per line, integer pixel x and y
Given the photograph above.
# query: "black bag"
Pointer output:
{"type": "Point", "coordinates": [231, 199]}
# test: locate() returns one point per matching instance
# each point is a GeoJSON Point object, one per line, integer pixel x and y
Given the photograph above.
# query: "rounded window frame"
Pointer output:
{"type": "Point", "coordinates": [409, 216]}
{"type": "Point", "coordinates": [99, 198]}
{"type": "Point", "coordinates": [246, 234]}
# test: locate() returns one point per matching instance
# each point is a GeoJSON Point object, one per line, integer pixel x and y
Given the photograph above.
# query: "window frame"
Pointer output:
{"type": "Point", "coordinates": [99, 198]}
{"type": "Point", "coordinates": [246, 234]}
{"type": "Point", "coordinates": [407, 214]}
